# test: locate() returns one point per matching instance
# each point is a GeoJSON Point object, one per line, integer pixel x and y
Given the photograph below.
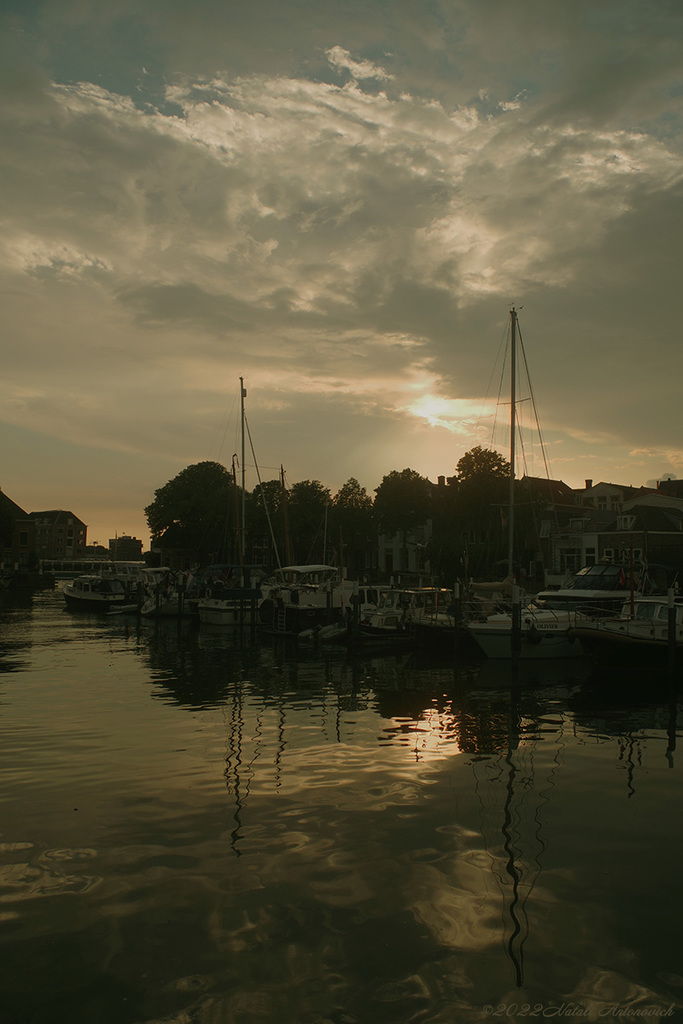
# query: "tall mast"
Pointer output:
{"type": "Point", "coordinates": [513, 428]}
{"type": "Point", "coordinates": [243, 395]}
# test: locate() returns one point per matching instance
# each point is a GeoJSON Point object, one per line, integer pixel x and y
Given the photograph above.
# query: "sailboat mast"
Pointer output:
{"type": "Point", "coordinates": [243, 395]}
{"type": "Point", "coordinates": [513, 429]}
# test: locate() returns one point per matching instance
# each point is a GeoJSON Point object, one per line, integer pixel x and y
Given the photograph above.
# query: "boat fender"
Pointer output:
{"type": "Point", "coordinates": [533, 636]}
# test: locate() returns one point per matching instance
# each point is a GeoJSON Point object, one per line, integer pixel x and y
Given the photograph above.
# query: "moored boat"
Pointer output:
{"type": "Point", "coordinates": [648, 631]}
{"type": "Point", "coordinates": [301, 597]}
{"type": "Point", "coordinates": [94, 593]}
{"type": "Point", "coordinates": [229, 598]}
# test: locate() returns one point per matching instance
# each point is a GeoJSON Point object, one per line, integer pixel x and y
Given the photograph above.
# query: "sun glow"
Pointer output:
{"type": "Point", "coordinates": [459, 415]}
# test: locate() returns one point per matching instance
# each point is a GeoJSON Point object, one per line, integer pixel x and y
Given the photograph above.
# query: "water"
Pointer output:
{"type": "Point", "coordinates": [198, 830]}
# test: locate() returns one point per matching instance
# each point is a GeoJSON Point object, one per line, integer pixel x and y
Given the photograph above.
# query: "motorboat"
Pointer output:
{"type": "Point", "coordinates": [648, 630]}
{"type": "Point", "coordinates": [229, 599]}
{"type": "Point", "coordinates": [301, 597]}
{"type": "Point", "coordinates": [410, 614]}
{"type": "Point", "coordinates": [544, 633]}
{"type": "Point", "coordinates": [95, 593]}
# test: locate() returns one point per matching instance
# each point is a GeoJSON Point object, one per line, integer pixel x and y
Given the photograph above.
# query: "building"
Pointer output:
{"type": "Point", "coordinates": [17, 536]}
{"type": "Point", "coordinates": [59, 534]}
{"type": "Point", "coordinates": [125, 549]}
{"type": "Point", "coordinates": [609, 522]}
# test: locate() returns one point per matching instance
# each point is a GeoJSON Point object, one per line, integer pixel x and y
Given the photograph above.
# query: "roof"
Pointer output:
{"type": "Point", "coordinates": [11, 507]}
{"type": "Point", "coordinates": [555, 490]}
{"type": "Point", "coordinates": [55, 514]}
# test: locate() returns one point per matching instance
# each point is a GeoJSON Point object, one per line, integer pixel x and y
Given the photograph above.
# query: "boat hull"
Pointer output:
{"type": "Point", "coordinates": [228, 614]}
{"type": "Point", "coordinates": [93, 603]}
{"type": "Point", "coordinates": [496, 642]}
{"type": "Point", "coordinates": [614, 645]}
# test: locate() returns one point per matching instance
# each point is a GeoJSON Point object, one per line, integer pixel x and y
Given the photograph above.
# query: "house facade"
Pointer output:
{"type": "Point", "coordinates": [59, 534]}
{"type": "Point", "coordinates": [611, 522]}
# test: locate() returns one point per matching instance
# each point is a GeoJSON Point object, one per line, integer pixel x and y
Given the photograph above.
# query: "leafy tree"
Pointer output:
{"type": "Point", "coordinates": [307, 504]}
{"type": "Point", "coordinates": [264, 520]}
{"type": "Point", "coordinates": [469, 522]}
{"type": "Point", "coordinates": [402, 501]}
{"type": "Point", "coordinates": [352, 524]}
{"type": "Point", "coordinates": [482, 463]}
{"type": "Point", "coordinates": [480, 511]}
{"type": "Point", "coordinates": [199, 503]}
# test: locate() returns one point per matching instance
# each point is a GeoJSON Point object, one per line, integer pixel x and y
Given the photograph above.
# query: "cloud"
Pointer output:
{"type": "Point", "coordinates": [340, 209]}
{"type": "Point", "coordinates": [358, 69]}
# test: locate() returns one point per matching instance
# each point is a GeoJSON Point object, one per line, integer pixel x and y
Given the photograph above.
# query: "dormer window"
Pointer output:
{"type": "Point", "coordinates": [626, 522]}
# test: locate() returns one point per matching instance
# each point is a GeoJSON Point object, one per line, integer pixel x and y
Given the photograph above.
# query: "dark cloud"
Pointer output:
{"type": "Point", "coordinates": [340, 202]}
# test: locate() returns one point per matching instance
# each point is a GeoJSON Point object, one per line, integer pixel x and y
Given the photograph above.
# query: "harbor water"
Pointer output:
{"type": "Point", "coordinates": [201, 829]}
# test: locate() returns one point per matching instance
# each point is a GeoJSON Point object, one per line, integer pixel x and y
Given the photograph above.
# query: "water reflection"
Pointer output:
{"type": "Point", "coordinates": [197, 829]}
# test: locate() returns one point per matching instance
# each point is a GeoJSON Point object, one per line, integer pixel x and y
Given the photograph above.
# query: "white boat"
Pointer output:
{"type": "Point", "coordinates": [229, 599]}
{"type": "Point", "coordinates": [301, 597]}
{"type": "Point", "coordinates": [532, 632]}
{"type": "Point", "coordinates": [167, 594]}
{"type": "Point", "coordinates": [411, 614]}
{"type": "Point", "coordinates": [642, 634]}
{"type": "Point", "coordinates": [549, 621]}
{"type": "Point", "coordinates": [599, 589]}
{"type": "Point", "coordinates": [544, 633]}
{"type": "Point", "coordinates": [95, 593]}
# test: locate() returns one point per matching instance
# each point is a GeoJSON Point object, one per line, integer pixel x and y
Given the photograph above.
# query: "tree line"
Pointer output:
{"type": "Point", "coordinates": [203, 508]}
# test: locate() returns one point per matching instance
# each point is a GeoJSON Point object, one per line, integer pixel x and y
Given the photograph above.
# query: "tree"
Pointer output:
{"type": "Point", "coordinates": [265, 526]}
{"type": "Point", "coordinates": [351, 524]}
{"type": "Point", "coordinates": [480, 509]}
{"type": "Point", "coordinates": [199, 503]}
{"type": "Point", "coordinates": [482, 462]}
{"type": "Point", "coordinates": [307, 503]}
{"type": "Point", "coordinates": [402, 501]}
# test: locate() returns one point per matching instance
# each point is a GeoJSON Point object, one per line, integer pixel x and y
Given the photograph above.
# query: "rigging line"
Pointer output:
{"type": "Point", "coordinates": [501, 382]}
{"type": "Point", "coordinates": [534, 407]}
{"type": "Point", "coordinates": [502, 342]}
{"type": "Point", "coordinates": [265, 504]}
{"type": "Point", "coordinates": [226, 423]}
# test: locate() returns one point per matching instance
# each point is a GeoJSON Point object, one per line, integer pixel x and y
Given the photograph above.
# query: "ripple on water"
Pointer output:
{"type": "Point", "coordinates": [24, 880]}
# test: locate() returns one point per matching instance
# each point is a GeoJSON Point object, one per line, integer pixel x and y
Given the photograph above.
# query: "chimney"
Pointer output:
{"type": "Point", "coordinates": [441, 480]}
{"type": "Point", "coordinates": [589, 484]}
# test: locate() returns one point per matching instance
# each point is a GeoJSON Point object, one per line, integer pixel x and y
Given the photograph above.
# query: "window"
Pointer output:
{"type": "Point", "coordinates": [570, 560]}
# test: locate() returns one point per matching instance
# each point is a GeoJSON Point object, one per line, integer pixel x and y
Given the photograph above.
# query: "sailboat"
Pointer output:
{"type": "Point", "coordinates": [229, 599]}
{"type": "Point", "coordinates": [531, 632]}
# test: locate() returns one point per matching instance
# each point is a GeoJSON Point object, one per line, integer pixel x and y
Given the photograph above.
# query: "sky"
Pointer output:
{"type": "Point", "coordinates": [340, 203]}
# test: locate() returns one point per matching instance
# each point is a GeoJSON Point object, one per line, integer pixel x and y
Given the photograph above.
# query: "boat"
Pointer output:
{"type": "Point", "coordinates": [535, 631]}
{"type": "Point", "coordinates": [297, 598]}
{"type": "Point", "coordinates": [550, 620]}
{"type": "Point", "coordinates": [543, 633]}
{"type": "Point", "coordinates": [168, 594]}
{"type": "Point", "coordinates": [601, 588]}
{"type": "Point", "coordinates": [649, 630]}
{"type": "Point", "coordinates": [229, 598]}
{"type": "Point", "coordinates": [95, 593]}
{"type": "Point", "coordinates": [410, 615]}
